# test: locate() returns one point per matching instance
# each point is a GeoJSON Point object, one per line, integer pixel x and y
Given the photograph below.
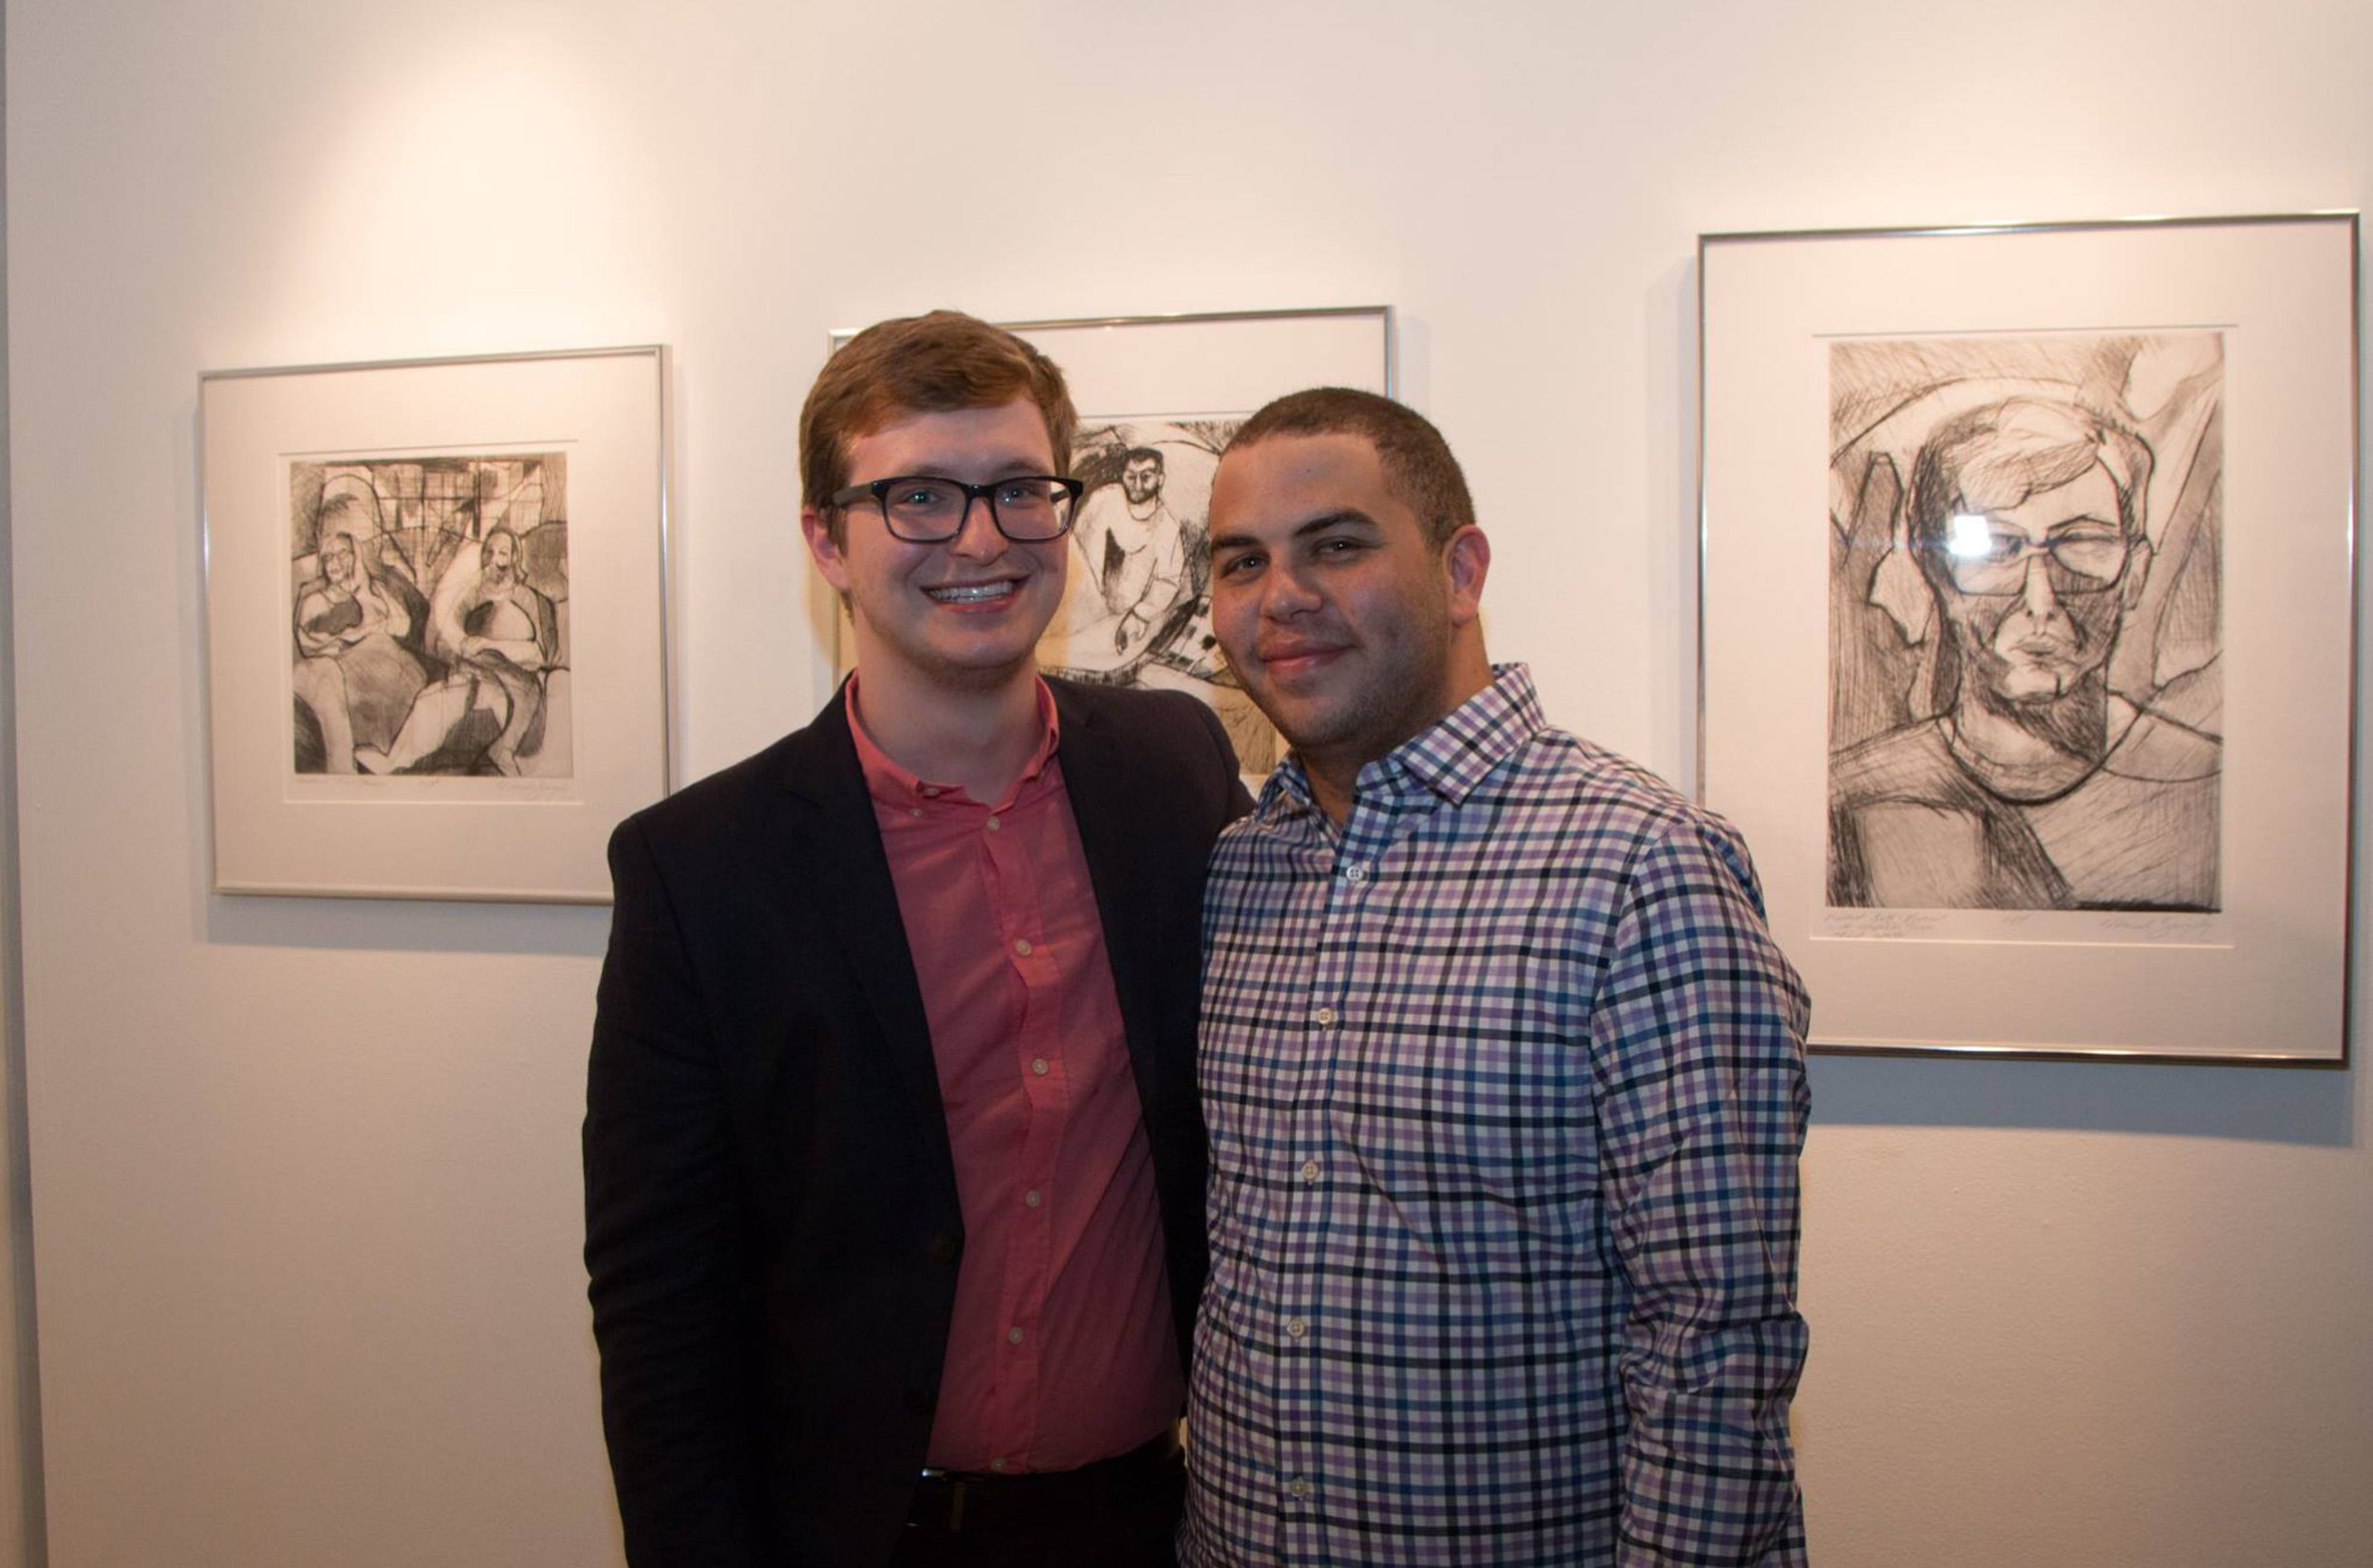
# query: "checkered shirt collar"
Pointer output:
{"type": "Point", "coordinates": [1442, 762]}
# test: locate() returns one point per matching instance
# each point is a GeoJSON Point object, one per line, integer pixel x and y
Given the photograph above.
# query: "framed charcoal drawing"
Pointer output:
{"type": "Point", "coordinates": [2028, 627]}
{"type": "Point", "coordinates": [1158, 397]}
{"type": "Point", "coordinates": [435, 621]}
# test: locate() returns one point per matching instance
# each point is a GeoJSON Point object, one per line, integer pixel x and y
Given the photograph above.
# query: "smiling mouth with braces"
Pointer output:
{"type": "Point", "coordinates": [971, 593]}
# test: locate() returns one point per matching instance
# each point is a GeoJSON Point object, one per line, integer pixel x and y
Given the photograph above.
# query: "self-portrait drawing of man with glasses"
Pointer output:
{"type": "Point", "coordinates": [2025, 709]}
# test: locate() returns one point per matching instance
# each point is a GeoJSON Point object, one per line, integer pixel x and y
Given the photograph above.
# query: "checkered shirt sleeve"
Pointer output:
{"type": "Point", "coordinates": [1505, 1090]}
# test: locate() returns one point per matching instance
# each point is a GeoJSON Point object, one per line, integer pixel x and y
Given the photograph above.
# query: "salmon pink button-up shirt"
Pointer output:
{"type": "Point", "coordinates": [1062, 1350]}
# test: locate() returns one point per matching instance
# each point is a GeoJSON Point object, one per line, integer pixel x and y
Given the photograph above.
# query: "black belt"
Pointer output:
{"type": "Point", "coordinates": [953, 1501]}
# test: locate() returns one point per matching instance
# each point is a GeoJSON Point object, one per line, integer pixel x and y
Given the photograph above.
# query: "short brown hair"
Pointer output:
{"type": "Point", "coordinates": [936, 363]}
{"type": "Point", "coordinates": [1416, 459]}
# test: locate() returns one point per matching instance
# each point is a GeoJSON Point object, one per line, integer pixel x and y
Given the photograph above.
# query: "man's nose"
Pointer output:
{"type": "Point", "coordinates": [1285, 593]}
{"type": "Point", "coordinates": [2036, 592]}
{"type": "Point", "coordinates": [976, 533]}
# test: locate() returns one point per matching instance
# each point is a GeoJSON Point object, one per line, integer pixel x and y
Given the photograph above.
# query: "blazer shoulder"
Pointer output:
{"type": "Point", "coordinates": [806, 766]}
{"type": "Point", "coordinates": [1149, 723]}
{"type": "Point", "coordinates": [1159, 761]}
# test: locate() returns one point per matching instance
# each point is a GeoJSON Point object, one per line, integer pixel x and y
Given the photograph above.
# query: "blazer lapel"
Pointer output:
{"type": "Point", "coordinates": [1096, 780]}
{"type": "Point", "coordinates": [845, 866]}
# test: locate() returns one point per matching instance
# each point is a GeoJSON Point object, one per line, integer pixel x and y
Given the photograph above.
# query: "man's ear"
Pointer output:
{"type": "Point", "coordinates": [829, 559]}
{"type": "Point", "coordinates": [1465, 562]}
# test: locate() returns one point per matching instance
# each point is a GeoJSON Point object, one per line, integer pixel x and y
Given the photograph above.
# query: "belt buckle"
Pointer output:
{"type": "Point", "coordinates": [955, 1497]}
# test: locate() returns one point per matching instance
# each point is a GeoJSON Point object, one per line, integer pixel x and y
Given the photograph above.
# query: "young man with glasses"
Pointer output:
{"type": "Point", "coordinates": [2028, 783]}
{"type": "Point", "coordinates": [894, 1169]}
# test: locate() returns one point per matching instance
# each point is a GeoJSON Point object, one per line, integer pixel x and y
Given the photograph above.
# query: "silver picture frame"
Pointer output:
{"type": "Point", "coordinates": [435, 621]}
{"type": "Point", "coordinates": [2046, 742]}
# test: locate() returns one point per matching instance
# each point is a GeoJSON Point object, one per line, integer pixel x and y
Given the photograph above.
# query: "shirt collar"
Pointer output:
{"type": "Point", "coordinates": [886, 781]}
{"type": "Point", "coordinates": [1444, 761]}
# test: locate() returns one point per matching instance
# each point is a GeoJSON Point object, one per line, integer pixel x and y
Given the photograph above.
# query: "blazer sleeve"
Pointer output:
{"type": "Point", "coordinates": [667, 1246]}
{"type": "Point", "coordinates": [1220, 766]}
{"type": "Point", "coordinates": [1238, 798]}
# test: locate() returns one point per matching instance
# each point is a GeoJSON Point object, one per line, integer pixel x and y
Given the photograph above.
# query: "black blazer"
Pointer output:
{"type": "Point", "coordinates": [772, 1227]}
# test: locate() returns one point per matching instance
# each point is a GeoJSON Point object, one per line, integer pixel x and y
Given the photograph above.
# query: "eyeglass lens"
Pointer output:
{"type": "Point", "coordinates": [924, 508]}
{"type": "Point", "coordinates": [2079, 562]}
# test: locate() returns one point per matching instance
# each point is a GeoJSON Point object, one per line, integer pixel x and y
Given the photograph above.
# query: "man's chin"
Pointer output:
{"type": "Point", "coordinates": [1302, 724]}
{"type": "Point", "coordinates": [2034, 685]}
{"type": "Point", "coordinates": [983, 669]}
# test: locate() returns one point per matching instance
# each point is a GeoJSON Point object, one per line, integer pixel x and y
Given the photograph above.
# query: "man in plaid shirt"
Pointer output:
{"type": "Point", "coordinates": [1503, 1075]}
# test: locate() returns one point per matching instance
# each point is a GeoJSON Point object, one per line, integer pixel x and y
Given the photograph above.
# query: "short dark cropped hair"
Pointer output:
{"type": "Point", "coordinates": [1417, 461]}
{"type": "Point", "coordinates": [936, 363]}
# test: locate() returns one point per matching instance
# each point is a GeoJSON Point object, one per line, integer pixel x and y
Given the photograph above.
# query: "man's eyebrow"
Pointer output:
{"type": "Point", "coordinates": [1340, 516]}
{"type": "Point", "coordinates": [1001, 467]}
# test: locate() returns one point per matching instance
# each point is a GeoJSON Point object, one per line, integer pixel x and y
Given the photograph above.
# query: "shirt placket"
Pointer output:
{"type": "Point", "coordinates": [1310, 1377]}
{"type": "Point", "coordinates": [1038, 1060]}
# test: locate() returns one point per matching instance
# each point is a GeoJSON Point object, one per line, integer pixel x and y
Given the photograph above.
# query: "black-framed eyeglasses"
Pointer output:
{"type": "Point", "coordinates": [1991, 562]}
{"type": "Point", "coordinates": [929, 508]}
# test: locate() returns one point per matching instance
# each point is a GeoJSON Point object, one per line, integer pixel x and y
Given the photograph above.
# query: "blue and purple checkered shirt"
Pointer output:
{"type": "Point", "coordinates": [1505, 1087]}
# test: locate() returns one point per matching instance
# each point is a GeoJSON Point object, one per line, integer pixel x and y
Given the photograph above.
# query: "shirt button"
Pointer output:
{"type": "Point", "coordinates": [1310, 1170]}
{"type": "Point", "coordinates": [1298, 1487]}
{"type": "Point", "coordinates": [1295, 1327]}
{"type": "Point", "coordinates": [1324, 1017]}
{"type": "Point", "coordinates": [1032, 1198]}
{"type": "Point", "coordinates": [1022, 945]}
{"type": "Point", "coordinates": [998, 1465]}
{"type": "Point", "coordinates": [914, 811]}
{"type": "Point", "coordinates": [1013, 1336]}
{"type": "Point", "coordinates": [1354, 872]}
{"type": "Point", "coordinates": [1037, 1065]}
{"type": "Point", "coordinates": [993, 825]}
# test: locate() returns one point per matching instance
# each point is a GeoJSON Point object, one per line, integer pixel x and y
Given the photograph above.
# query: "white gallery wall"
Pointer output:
{"type": "Point", "coordinates": [306, 1194]}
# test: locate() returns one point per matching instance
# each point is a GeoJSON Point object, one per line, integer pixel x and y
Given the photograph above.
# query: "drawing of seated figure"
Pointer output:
{"type": "Point", "coordinates": [356, 675]}
{"type": "Point", "coordinates": [1136, 610]}
{"type": "Point", "coordinates": [2032, 784]}
{"type": "Point", "coordinates": [1133, 556]}
{"type": "Point", "coordinates": [489, 711]}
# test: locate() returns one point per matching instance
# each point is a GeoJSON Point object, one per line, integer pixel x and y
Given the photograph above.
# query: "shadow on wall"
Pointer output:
{"type": "Point", "coordinates": [405, 926]}
{"type": "Point", "coordinates": [2313, 1107]}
